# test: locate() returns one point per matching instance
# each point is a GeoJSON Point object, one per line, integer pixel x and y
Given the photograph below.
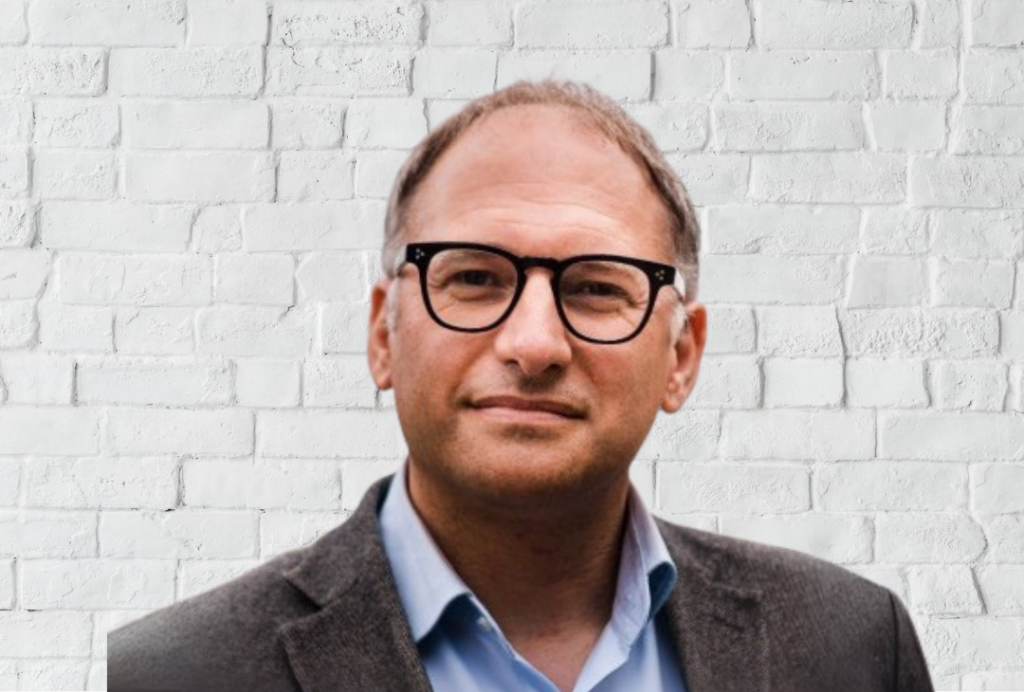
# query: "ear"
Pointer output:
{"type": "Point", "coordinates": [688, 348]}
{"type": "Point", "coordinates": [378, 349]}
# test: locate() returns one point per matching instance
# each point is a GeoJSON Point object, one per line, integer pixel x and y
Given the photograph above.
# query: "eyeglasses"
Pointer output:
{"type": "Point", "coordinates": [604, 299]}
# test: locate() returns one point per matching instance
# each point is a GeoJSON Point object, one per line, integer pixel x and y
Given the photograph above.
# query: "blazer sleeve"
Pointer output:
{"type": "Point", "coordinates": [911, 669]}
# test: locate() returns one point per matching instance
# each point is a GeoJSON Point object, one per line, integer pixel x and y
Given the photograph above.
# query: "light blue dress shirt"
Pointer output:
{"type": "Point", "coordinates": [463, 648]}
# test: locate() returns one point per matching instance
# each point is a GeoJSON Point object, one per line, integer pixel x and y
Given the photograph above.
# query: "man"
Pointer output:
{"type": "Point", "coordinates": [537, 311]}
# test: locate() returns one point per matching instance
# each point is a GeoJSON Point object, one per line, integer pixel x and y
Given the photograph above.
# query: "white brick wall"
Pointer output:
{"type": "Point", "coordinates": [191, 208]}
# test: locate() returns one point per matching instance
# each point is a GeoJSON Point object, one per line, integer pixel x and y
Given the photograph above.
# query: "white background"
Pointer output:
{"type": "Point", "coordinates": [191, 203]}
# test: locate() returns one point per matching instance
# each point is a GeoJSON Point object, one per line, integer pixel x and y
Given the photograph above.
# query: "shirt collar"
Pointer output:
{"type": "Point", "coordinates": [427, 583]}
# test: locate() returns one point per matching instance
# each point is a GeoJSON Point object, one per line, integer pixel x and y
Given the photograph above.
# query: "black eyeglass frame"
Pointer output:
{"type": "Point", "coordinates": [658, 275]}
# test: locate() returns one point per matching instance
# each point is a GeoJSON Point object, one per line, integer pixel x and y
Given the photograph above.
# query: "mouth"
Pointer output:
{"type": "Point", "coordinates": [519, 408]}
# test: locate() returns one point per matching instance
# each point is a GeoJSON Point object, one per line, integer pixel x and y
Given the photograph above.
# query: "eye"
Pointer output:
{"type": "Point", "coordinates": [474, 277]}
{"type": "Point", "coordinates": [596, 289]}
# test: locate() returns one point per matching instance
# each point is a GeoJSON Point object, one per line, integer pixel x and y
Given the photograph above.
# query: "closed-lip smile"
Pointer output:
{"type": "Point", "coordinates": [560, 408]}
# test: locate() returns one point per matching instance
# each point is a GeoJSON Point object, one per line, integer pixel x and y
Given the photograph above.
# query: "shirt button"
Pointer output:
{"type": "Point", "coordinates": [483, 624]}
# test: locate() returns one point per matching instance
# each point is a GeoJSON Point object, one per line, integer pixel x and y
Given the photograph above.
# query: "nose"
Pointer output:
{"type": "Point", "coordinates": [533, 336]}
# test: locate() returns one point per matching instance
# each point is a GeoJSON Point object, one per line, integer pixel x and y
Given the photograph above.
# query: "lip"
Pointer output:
{"type": "Point", "coordinates": [519, 407]}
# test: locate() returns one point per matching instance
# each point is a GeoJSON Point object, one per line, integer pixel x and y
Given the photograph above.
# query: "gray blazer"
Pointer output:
{"type": "Point", "coordinates": [327, 618]}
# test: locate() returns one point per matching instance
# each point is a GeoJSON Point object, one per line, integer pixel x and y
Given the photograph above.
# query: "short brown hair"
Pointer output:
{"type": "Point", "coordinates": [597, 111]}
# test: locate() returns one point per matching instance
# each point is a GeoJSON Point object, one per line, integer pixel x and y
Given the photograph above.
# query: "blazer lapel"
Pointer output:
{"type": "Point", "coordinates": [359, 639]}
{"type": "Point", "coordinates": [718, 630]}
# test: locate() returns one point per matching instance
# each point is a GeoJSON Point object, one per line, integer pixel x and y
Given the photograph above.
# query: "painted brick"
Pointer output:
{"type": "Point", "coordinates": [802, 382]}
{"type": "Point", "coordinates": [963, 283]}
{"type": "Point", "coordinates": [376, 171]}
{"type": "Point", "coordinates": [1006, 537]}
{"type": "Point", "coordinates": [97, 584]}
{"type": "Point", "coordinates": [17, 224]}
{"type": "Point", "coordinates": [995, 488]}
{"type": "Point", "coordinates": [107, 22]}
{"type": "Point", "coordinates": [970, 234]}
{"type": "Point", "coordinates": [886, 486]}
{"type": "Point", "coordinates": [453, 72]}
{"type": "Point", "coordinates": [908, 125]}
{"type": "Point", "coordinates": [73, 174]}
{"type": "Point", "coordinates": [886, 281]}
{"type": "Point", "coordinates": [730, 330]}
{"type": "Point", "coordinates": [764, 279]}
{"type": "Point", "coordinates": [17, 324]}
{"type": "Point", "coordinates": [713, 178]}
{"type": "Point", "coordinates": [135, 279]}
{"type": "Point", "coordinates": [684, 435]}
{"type": "Point", "coordinates": [338, 71]}
{"type": "Point", "coordinates": [838, 538]}
{"type": "Point", "coordinates": [674, 126]}
{"type": "Point", "coordinates": [97, 679]}
{"type": "Point", "coordinates": [288, 484]}
{"type": "Point", "coordinates": [813, 24]}
{"type": "Point", "coordinates": [53, 633]}
{"type": "Point", "coordinates": [15, 116]}
{"type": "Point", "coordinates": [314, 176]}
{"type": "Point", "coordinates": [343, 328]}
{"type": "Point", "coordinates": [218, 229]}
{"type": "Point", "coordinates": [384, 123]}
{"type": "Point", "coordinates": [1012, 331]}
{"type": "Point", "coordinates": [225, 22]}
{"type": "Point", "coordinates": [997, 130]}
{"type": "Point", "coordinates": [943, 590]}
{"type": "Point", "coordinates": [205, 177]}
{"type": "Point", "coordinates": [13, 29]}
{"type": "Point", "coordinates": [993, 76]}
{"type": "Point", "coordinates": [267, 383]}
{"type": "Point", "coordinates": [993, 681]}
{"type": "Point", "coordinates": [45, 71]}
{"type": "Point", "coordinates": [195, 125]}
{"type": "Point", "coordinates": [886, 383]}
{"type": "Point", "coordinates": [116, 226]}
{"type": "Point", "coordinates": [729, 382]}
{"type": "Point", "coordinates": [37, 378]}
{"type": "Point", "coordinates": [329, 434]}
{"type": "Point", "coordinates": [889, 577]}
{"type": "Point", "coordinates": [734, 488]}
{"type": "Point", "coordinates": [997, 23]}
{"type": "Point", "coordinates": [75, 328]}
{"type": "Point", "coordinates": [263, 279]}
{"type": "Point", "coordinates": [906, 537]}
{"type": "Point", "coordinates": [23, 273]}
{"type": "Point", "coordinates": [197, 576]}
{"type": "Point", "coordinates": [828, 178]}
{"type": "Point", "coordinates": [6, 585]}
{"type": "Point", "coordinates": [894, 231]}
{"type": "Point", "coordinates": [782, 434]}
{"type": "Point", "coordinates": [13, 172]}
{"type": "Point", "coordinates": [143, 431]}
{"type": "Point", "coordinates": [586, 25]}
{"type": "Point", "coordinates": [343, 382]}
{"type": "Point", "coordinates": [37, 534]}
{"type": "Point", "coordinates": [712, 23]}
{"type": "Point", "coordinates": [128, 483]}
{"type": "Point", "coordinates": [254, 331]}
{"type": "Point", "coordinates": [971, 386]}
{"type": "Point", "coordinates": [1002, 587]}
{"type": "Point", "coordinates": [625, 75]}
{"type": "Point", "coordinates": [938, 22]}
{"type": "Point", "coordinates": [10, 482]}
{"type": "Point", "coordinates": [49, 430]}
{"type": "Point", "coordinates": [352, 23]}
{"type": "Point", "coordinates": [359, 476]}
{"type": "Point", "coordinates": [305, 124]}
{"type": "Point", "coordinates": [106, 621]}
{"type": "Point", "coordinates": [167, 382]}
{"type": "Point", "coordinates": [921, 74]}
{"type": "Point", "coordinates": [196, 72]}
{"type": "Point", "coordinates": [838, 75]}
{"type": "Point", "coordinates": [333, 277]}
{"type": "Point", "coordinates": [75, 123]}
{"type": "Point", "coordinates": [903, 332]}
{"type": "Point", "coordinates": [284, 531]}
{"type": "Point", "coordinates": [52, 674]}
{"type": "Point", "coordinates": [959, 644]}
{"type": "Point", "coordinates": [177, 534]}
{"type": "Point", "coordinates": [798, 331]}
{"type": "Point", "coordinates": [491, 24]}
{"type": "Point", "coordinates": [333, 226]}
{"type": "Point", "coordinates": [153, 331]}
{"type": "Point", "coordinates": [439, 110]}
{"type": "Point", "coordinates": [950, 437]}
{"type": "Point", "coordinates": [688, 75]}
{"type": "Point", "coordinates": [789, 127]}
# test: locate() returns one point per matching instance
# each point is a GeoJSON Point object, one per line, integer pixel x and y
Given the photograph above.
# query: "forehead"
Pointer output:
{"type": "Point", "coordinates": [536, 175]}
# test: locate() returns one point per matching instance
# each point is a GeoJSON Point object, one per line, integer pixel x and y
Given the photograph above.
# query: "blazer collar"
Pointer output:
{"type": "Point", "coordinates": [360, 637]}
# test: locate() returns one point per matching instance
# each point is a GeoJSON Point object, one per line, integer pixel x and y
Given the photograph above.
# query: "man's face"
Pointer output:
{"type": "Point", "coordinates": [534, 181]}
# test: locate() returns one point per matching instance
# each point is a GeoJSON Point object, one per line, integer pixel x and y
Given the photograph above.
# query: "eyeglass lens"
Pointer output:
{"type": "Point", "coordinates": [473, 289]}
